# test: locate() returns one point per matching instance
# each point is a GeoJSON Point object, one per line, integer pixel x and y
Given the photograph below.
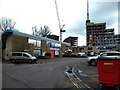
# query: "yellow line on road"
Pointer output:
{"type": "Point", "coordinates": [74, 83]}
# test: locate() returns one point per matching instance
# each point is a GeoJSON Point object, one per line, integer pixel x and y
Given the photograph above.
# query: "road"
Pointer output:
{"type": "Point", "coordinates": [44, 74]}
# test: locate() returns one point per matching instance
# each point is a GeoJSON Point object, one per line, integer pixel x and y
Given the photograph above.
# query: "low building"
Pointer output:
{"type": "Point", "coordinates": [14, 41]}
{"type": "Point", "coordinates": [89, 50]}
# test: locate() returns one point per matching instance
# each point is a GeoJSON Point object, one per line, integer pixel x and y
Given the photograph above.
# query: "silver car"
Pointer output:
{"type": "Point", "coordinates": [111, 54]}
{"type": "Point", "coordinates": [16, 57]}
{"type": "Point", "coordinates": [92, 60]}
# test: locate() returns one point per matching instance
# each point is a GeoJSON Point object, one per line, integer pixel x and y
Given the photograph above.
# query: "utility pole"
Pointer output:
{"type": "Point", "coordinates": [61, 29]}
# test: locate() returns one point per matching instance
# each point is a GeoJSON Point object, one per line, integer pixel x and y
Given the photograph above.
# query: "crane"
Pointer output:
{"type": "Point", "coordinates": [58, 17]}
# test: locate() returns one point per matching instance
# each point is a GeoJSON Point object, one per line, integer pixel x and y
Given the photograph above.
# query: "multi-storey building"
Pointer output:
{"type": "Point", "coordinates": [54, 37]}
{"type": "Point", "coordinates": [98, 35]}
{"type": "Point", "coordinates": [72, 40]}
{"type": "Point", "coordinates": [117, 39]}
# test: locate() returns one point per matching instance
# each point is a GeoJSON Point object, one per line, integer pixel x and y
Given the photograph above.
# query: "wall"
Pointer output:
{"type": "Point", "coordinates": [15, 44]}
{"type": "Point", "coordinates": [19, 43]}
{"type": "Point", "coordinates": [31, 48]}
{"type": "Point", "coordinates": [62, 49]}
{"type": "Point", "coordinates": [93, 49]}
{"type": "Point", "coordinates": [44, 48]}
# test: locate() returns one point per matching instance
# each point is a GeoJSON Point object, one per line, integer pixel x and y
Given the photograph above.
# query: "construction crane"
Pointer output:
{"type": "Point", "coordinates": [60, 28]}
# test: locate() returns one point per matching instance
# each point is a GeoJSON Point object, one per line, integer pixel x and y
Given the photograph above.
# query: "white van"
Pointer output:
{"type": "Point", "coordinates": [22, 57]}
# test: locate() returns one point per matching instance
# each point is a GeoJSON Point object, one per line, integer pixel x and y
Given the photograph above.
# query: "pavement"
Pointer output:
{"type": "Point", "coordinates": [88, 75]}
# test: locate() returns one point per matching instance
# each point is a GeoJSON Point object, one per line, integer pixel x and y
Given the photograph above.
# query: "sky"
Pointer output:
{"type": "Point", "coordinates": [72, 13]}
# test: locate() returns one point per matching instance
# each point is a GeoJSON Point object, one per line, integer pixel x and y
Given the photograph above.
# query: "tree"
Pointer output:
{"type": "Point", "coordinates": [6, 23]}
{"type": "Point", "coordinates": [34, 31]}
{"type": "Point", "coordinates": [43, 31]}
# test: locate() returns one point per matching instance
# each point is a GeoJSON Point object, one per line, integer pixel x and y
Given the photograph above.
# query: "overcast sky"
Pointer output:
{"type": "Point", "coordinates": [28, 13]}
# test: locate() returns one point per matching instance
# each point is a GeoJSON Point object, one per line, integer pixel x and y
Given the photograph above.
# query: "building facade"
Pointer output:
{"type": "Point", "coordinates": [54, 37]}
{"type": "Point", "coordinates": [98, 35]}
{"type": "Point", "coordinates": [117, 39]}
{"type": "Point", "coordinates": [72, 40]}
{"type": "Point", "coordinates": [14, 41]}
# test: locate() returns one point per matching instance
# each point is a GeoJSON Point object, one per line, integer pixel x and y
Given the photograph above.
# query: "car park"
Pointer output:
{"type": "Point", "coordinates": [92, 61]}
{"type": "Point", "coordinates": [16, 57]}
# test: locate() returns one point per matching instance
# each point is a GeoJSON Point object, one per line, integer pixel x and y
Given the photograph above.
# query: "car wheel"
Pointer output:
{"type": "Point", "coordinates": [30, 61]}
{"type": "Point", "coordinates": [93, 62]}
{"type": "Point", "coordinates": [13, 61]}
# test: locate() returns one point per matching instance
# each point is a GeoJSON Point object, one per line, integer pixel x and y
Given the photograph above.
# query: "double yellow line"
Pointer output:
{"type": "Point", "coordinates": [74, 83]}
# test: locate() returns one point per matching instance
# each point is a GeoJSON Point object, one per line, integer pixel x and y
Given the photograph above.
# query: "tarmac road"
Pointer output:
{"type": "Point", "coordinates": [47, 73]}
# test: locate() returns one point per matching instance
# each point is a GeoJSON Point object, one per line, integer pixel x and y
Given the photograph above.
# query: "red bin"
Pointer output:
{"type": "Point", "coordinates": [109, 71]}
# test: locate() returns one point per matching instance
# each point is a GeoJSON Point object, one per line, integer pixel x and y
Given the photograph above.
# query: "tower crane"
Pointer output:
{"type": "Point", "coordinates": [58, 17]}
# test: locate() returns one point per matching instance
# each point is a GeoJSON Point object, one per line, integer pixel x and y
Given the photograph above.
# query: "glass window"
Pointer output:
{"type": "Point", "coordinates": [113, 54]}
{"type": "Point", "coordinates": [104, 54]}
{"type": "Point", "coordinates": [25, 55]}
{"type": "Point", "coordinates": [16, 54]}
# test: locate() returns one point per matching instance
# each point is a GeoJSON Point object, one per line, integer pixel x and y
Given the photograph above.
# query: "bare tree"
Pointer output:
{"type": "Point", "coordinates": [43, 31]}
{"type": "Point", "coordinates": [6, 23]}
{"type": "Point", "coordinates": [35, 31]}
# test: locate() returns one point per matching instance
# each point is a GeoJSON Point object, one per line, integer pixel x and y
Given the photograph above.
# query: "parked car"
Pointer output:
{"type": "Point", "coordinates": [92, 60]}
{"type": "Point", "coordinates": [111, 54]}
{"type": "Point", "coordinates": [81, 54]}
{"type": "Point", "coordinates": [16, 57]}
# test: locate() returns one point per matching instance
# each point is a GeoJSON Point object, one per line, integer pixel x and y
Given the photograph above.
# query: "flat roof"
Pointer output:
{"type": "Point", "coordinates": [14, 32]}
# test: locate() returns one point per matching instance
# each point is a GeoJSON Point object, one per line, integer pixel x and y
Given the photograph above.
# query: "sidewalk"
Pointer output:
{"type": "Point", "coordinates": [88, 75]}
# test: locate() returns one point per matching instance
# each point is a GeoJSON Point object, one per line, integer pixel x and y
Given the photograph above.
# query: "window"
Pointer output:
{"type": "Point", "coordinates": [104, 54]}
{"type": "Point", "coordinates": [16, 54]}
{"type": "Point", "coordinates": [25, 55]}
{"type": "Point", "coordinates": [113, 54]}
